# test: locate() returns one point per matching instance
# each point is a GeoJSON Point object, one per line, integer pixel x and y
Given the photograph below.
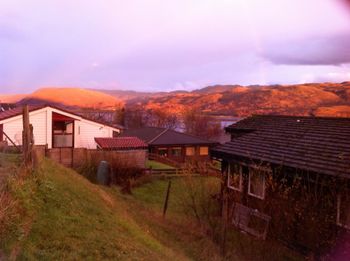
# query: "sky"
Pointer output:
{"type": "Point", "coordinates": [153, 45]}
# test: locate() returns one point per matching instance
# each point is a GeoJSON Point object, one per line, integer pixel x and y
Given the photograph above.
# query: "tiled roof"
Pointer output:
{"type": "Point", "coordinates": [316, 144]}
{"type": "Point", "coordinates": [162, 136]}
{"type": "Point", "coordinates": [121, 143]}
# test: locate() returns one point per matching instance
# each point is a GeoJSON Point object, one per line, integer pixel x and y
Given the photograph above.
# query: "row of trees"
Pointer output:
{"type": "Point", "coordinates": [192, 121]}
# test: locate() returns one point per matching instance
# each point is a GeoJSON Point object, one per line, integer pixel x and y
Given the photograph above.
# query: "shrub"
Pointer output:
{"type": "Point", "coordinates": [123, 172]}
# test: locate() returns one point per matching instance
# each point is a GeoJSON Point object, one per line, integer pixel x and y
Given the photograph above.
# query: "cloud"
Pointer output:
{"type": "Point", "coordinates": [10, 32]}
{"type": "Point", "coordinates": [332, 50]}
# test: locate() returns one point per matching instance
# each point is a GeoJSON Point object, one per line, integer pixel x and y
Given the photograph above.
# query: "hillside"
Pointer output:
{"type": "Point", "coordinates": [56, 214]}
{"type": "Point", "coordinates": [322, 99]}
{"type": "Point", "coordinates": [11, 98]}
{"type": "Point", "coordinates": [72, 97]}
{"type": "Point", "coordinates": [63, 216]}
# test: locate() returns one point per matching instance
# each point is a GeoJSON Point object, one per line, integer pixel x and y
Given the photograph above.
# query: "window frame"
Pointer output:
{"type": "Point", "coordinates": [207, 150]}
{"type": "Point", "coordinates": [263, 171]}
{"type": "Point", "coordinates": [240, 177]}
{"type": "Point", "coordinates": [179, 149]}
{"type": "Point", "coordinates": [194, 151]}
{"type": "Point", "coordinates": [339, 223]}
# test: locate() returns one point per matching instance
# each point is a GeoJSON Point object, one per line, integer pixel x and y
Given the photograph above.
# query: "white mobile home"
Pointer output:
{"type": "Point", "coordinates": [54, 127]}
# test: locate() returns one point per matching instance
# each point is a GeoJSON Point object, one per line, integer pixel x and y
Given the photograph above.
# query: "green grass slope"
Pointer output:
{"type": "Point", "coordinates": [66, 217]}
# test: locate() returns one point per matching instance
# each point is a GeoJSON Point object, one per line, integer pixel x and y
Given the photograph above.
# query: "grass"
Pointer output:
{"type": "Point", "coordinates": [239, 246]}
{"type": "Point", "coordinates": [61, 215]}
{"type": "Point", "coordinates": [66, 217]}
{"type": "Point", "coordinates": [157, 165]}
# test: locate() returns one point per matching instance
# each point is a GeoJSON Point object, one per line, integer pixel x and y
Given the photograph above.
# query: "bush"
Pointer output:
{"type": "Point", "coordinates": [122, 171]}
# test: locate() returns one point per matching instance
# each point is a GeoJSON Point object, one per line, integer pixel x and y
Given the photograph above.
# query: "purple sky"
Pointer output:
{"type": "Point", "coordinates": [171, 44]}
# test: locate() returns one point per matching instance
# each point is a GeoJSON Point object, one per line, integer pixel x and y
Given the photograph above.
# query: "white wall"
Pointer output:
{"type": "Point", "coordinates": [13, 127]}
{"type": "Point", "coordinates": [85, 131]}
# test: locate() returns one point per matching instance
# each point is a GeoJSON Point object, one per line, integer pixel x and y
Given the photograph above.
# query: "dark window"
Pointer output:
{"type": "Point", "coordinates": [176, 152]}
{"type": "Point", "coordinates": [234, 180]}
{"type": "Point", "coordinates": [343, 209]}
{"type": "Point", "coordinates": [1, 132]}
{"type": "Point", "coordinates": [163, 152]}
{"type": "Point", "coordinates": [115, 134]}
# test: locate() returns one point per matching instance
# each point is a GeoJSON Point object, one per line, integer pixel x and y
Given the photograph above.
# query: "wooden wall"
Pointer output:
{"type": "Point", "coordinates": [75, 158]}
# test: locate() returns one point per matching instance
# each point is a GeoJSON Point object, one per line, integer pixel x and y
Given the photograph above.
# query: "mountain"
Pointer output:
{"type": "Point", "coordinates": [321, 99]}
{"type": "Point", "coordinates": [11, 98]}
{"type": "Point", "coordinates": [72, 97]}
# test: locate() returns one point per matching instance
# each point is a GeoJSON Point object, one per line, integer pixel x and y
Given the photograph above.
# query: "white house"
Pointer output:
{"type": "Point", "coordinates": [54, 127]}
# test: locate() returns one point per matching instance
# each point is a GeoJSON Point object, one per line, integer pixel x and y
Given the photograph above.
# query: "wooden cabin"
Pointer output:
{"type": "Point", "coordinates": [288, 178]}
{"type": "Point", "coordinates": [173, 145]}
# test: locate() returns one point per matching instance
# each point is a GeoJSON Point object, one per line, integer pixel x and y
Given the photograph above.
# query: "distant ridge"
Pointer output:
{"type": "Point", "coordinates": [71, 97]}
{"type": "Point", "coordinates": [319, 99]}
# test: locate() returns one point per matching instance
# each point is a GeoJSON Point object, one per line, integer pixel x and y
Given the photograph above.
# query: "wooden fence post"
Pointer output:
{"type": "Point", "coordinates": [166, 199]}
{"type": "Point", "coordinates": [27, 139]}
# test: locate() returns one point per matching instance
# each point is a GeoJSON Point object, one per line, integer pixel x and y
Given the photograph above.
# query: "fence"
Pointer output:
{"type": "Point", "coordinates": [76, 157]}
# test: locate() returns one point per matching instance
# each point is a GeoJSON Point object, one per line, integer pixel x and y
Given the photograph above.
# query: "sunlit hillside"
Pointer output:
{"type": "Point", "coordinates": [72, 97]}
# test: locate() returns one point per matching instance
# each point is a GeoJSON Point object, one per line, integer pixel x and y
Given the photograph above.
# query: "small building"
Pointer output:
{"type": "Point", "coordinates": [288, 178]}
{"type": "Point", "coordinates": [131, 149]}
{"type": "Point", "coordinates": [173, 145]}
{"type": "Point", "coordinates": [54, 127]}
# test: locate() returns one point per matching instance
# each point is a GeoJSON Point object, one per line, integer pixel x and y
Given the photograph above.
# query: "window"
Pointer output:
{"type": "Point", "coordinates": [176, 152]}
{"type": "Point", "coordinates": [190, 151]}
{"type": "Point", "coordinates": [1, 132]}
{"type": "Point", "coordinates": [256, 186]}
{"type": "Point", "coordinates": [250, 220]}
{"type": "Point", "coordinates": [203, 151]}
{"type": "Point", "coordinates": [115, 134]}
{"type": "Point", "coordinates": [343, 210]}
{"type": "Point", "coordinates": [234, 180]}
{"type": "Point", "coordinates": [163, 152]}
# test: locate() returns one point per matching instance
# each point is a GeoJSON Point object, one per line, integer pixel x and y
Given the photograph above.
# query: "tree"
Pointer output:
{"type": "Point", "coordinates": [198, 124]}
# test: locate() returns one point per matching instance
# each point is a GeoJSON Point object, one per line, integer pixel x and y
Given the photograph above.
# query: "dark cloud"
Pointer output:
{"type": "Point", "coordinates": [334, 50]}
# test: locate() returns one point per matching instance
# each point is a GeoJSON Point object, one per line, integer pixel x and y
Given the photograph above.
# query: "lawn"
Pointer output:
{"type": "Point", "coordinates": [157, 165]}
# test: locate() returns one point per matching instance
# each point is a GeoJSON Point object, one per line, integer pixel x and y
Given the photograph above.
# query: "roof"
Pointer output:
{"type": "Point", "coordinates": [162, 136]}
{"type": "Point", "coordinates": [121, 143]}
{"type": "Point", "coordinates": [7, 106]}
{"type": "Point", "coordinates": [19, 110]}
{"type": "Point", "coordinates": [316, 144]}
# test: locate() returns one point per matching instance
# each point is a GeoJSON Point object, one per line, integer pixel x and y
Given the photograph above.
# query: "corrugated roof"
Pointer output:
{"type": "Point", "coordinates": [121, 143]}
{"type": "Point", "coordinates": [316, 144]}
{"type": "Point", "coordinates": [162, 136]}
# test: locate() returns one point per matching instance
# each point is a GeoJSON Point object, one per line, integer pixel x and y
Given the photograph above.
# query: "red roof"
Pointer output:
{"type": "Point", "coordinates": [17, 111]}
{"type": "Point", "coordinates": [121, 143]}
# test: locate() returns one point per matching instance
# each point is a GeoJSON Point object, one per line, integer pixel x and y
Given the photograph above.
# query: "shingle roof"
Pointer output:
{"type": "Point", "coordinates": [316, 144]}
{"type": "Point", "coordinates": [162, 136]}
{"type": "Point", "coordinates": [121, 143]}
